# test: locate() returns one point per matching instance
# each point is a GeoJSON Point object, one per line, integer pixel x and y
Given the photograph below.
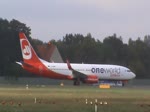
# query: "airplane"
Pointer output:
{"type": "Point", "coordinates": [86, 73]}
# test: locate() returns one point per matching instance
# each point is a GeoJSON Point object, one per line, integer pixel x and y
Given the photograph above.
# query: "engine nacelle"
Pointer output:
{"type": "Point", "coordinates": [91, 79]}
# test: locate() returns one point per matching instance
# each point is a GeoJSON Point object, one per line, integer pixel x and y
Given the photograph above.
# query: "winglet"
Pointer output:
{"type": "Point", "coordinates": [68, 64]}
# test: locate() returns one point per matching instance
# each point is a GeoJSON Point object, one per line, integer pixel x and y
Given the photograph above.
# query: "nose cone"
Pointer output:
{"type": "Point", "coordinates": [133, 75]}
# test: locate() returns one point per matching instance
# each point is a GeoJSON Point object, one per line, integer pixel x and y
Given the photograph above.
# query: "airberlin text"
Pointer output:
{"type": "Point", "coordinates": [106, 70]}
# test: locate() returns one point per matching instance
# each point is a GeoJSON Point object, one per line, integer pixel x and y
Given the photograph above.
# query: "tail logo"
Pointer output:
{"type": "Point", "coordinates": [26, 49]}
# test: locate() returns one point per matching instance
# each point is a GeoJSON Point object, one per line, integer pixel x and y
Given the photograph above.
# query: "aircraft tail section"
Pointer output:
{"type": "Point", "coordinates": [33, 64]}
{"type": "Point", "coordinates": [28, 53]}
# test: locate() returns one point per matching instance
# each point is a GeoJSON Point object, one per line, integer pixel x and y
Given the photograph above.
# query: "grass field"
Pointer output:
{"type": "Point", "coordinates": [73, 99]}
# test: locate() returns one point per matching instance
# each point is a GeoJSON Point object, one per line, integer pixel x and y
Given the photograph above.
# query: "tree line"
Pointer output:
{"type": "Point", "coordinates": [75, 47]}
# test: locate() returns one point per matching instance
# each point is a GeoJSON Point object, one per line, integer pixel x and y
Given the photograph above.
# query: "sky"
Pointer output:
{"type": "Point", "coordinates": [53, 19]}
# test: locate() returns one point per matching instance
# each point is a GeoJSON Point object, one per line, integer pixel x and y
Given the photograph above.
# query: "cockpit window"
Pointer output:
{"type": "Point", "coordinates": [128, 70]}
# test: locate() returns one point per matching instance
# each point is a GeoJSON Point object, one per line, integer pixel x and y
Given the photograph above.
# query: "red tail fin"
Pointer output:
{"type": "Point", "coordinates": [28, 53]}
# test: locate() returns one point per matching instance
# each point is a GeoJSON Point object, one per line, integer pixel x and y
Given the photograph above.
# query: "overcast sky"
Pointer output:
{"type": "Point", "coordinates": [53, 19]}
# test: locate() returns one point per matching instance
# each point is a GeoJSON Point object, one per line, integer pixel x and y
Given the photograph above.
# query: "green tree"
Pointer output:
{"type": "Point", "coordinates": [114, 50]}
{"type": "Point", "coordinates": [9, 44]}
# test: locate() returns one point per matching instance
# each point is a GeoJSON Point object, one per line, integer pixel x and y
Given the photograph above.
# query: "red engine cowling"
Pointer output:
{"type": "Point", "coordinates": [91, 79]}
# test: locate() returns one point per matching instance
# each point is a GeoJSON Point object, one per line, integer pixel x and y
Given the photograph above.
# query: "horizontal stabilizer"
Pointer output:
{"type": "Point", "coordinates": [19, 63]}
{"type": "Point", "coordinates": [24, 64]}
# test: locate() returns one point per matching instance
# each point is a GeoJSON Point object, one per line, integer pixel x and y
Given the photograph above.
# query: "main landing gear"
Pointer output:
{"type": "Point", "coordinates": [76, 82]}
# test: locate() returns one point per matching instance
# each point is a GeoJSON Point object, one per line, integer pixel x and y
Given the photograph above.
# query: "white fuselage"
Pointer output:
{"type": "Point", "coordinates": [110, 72]}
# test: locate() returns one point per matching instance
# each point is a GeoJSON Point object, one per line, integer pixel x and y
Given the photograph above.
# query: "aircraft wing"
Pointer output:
{"type": "Point", "coordinates": [76, 73]}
